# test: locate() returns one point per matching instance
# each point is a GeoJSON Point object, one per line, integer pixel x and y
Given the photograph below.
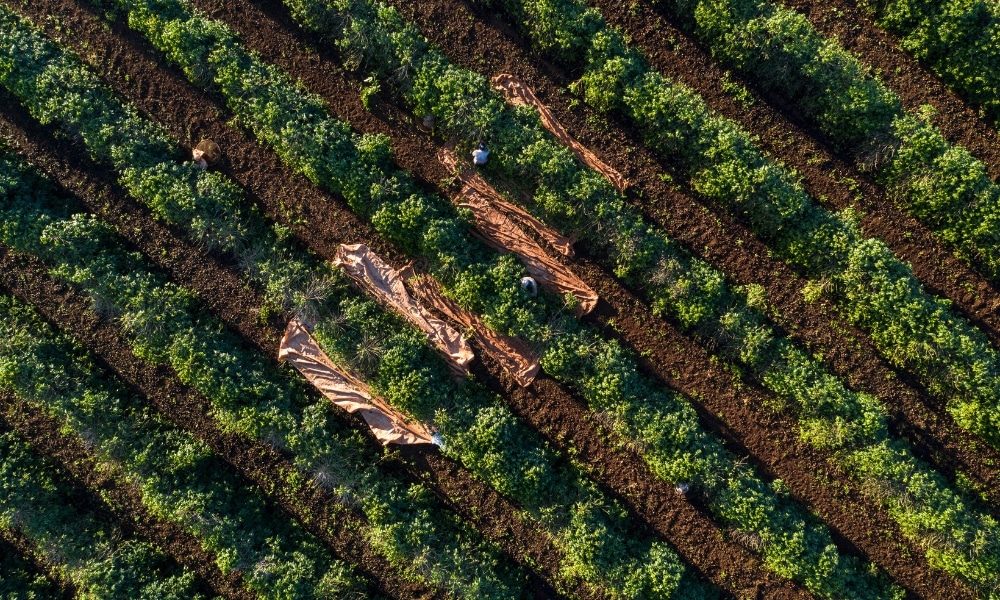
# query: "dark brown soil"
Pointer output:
{"type": "Point", "coordinates": [228, 297]}
{"type": "Point", "coordinates": [722, 556]}
{"type": "Point", "coordinates": [916, 85]}
{"type": "Point", "coordinates": [281, 47]}
{"type": "Point", "coordinates": [827, 176]}
{"type": "Point", "coordinates": [318, 512]}
{"type": "Point", "coordinates": [847, 351]}
{"type": "Point", "coordinates": [414, 151]}
{"type": "Point", "coordinates": [933, 433]}
{"type": "Point", "coordinates": [13, 541]}
{"type": "Point", "coordinates": [113, 501]}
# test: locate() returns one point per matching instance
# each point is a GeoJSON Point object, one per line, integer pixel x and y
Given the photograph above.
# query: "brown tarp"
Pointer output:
{"type": "Point", "coordinates": [517, 92]}
{"type": "Point", "coordinates": [375, 275]}
{"type": "Point", "coordinates": [512, 354]}
{"type": "Point", "coordinates": [497, 230]}
{"type": "Point", "coordinates": [560, 243]}
{"type": "Point", "coordinates": [388, 424]}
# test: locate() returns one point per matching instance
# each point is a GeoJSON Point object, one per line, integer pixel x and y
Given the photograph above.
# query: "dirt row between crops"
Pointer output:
{"type": "Point", "coordinates": [489, 512]}
{"type": "Point", "coordinates": [927, 425]}
{"type": "Point", "coordinates": [145, 233]}
{"type": "Point", "coordinates": [123, 505]}
{"type": "Point", "coordinates": [185, 407]}
{"type": "Point", "coordinates": [279, 44]}
{"type": "Point", "coordinates": [827, 176]}
{"type": "Point", "coordinates": [914, 414]}
{"type": "Point", "coordinates": [14, 542]}
{"type": "Point", "coordinates": [434, 459]}
{"type": "Point", "coordinates": [934, 265]}
{"type": "Point", "coordinates": [855, 30]}
{"type": "Point", "coordinates": [727, 561]}
{"type": "Point", "coordinates": [482, 46]}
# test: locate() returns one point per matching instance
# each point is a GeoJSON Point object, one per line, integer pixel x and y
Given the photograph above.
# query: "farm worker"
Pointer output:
{"type": "Point", "coordinates": [199, 159]}
{"type": "Point", "coordinates": [205, 153]}
{"type": "Point", "coordinates": [528, 284]}
{"type": "Point", "coordinates": [479, 155]}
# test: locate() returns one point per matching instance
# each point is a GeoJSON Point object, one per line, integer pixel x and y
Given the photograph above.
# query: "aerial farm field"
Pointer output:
{"type": "Point", "coordinates": [503, 299]}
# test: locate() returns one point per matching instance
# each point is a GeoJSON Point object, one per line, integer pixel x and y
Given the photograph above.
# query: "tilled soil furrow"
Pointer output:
{"type": "Point", "coordinates": [728, 558]}
{"type": "Point", "coordinates": [484, 44]}
{"type": "Point", "coordinates": [278, 44]}
{"type": "Point", "coordinates": [13, 541]}
{"type": "Point", "coordinates": [916, 85]}
{"type": "Point", "coordinates": [124, 502]}
{"type": "Point", "coordinates": [97, 191]}
{"type": "Point", "coordinates": [28, 280]}
{"type": "Point", "coordinates": [421, 160]}
{"type": "Point", "coordinates": [828, 177]}
{"type": "Point", "coordinates": [239, 306]}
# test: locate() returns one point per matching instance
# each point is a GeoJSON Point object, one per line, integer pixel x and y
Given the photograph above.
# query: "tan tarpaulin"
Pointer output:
{"type": "Point", "coordinates": [388, 424]}
{"type": "Point", "coordinates": [498, 231]}
{"type": "Point", "coordinates": [512, 354]}
{"type": "Point", "coordinates": [517, 92]}
{"type": "Point", "coordinates": [375, 275]}
{"type": "Point", "coordinates": [560, 243]}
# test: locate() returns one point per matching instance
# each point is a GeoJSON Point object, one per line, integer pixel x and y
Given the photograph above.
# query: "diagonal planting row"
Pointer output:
{"type": "Point", "coordinates": [19, 579]}
{"type": "Point", "coordinates": [942, 185]}
{"type": "Point", "coordinates": [180, 479]}
{"type": "Point", "coordinates": [145, 19]}
{"type": "Point", "coordinates": [831, 416]}
{"type": "Point", "coordinates": [248, 395]}
{"type": "Point", "coordinates": [546, 406]}
{"type": "Point", "coordinates": [486, 436]}
{"type": "Point", "coordinates": [36, 500]}
{"type": "Point", "coordinates": [872, 289]}
{"type": "Point", "coordinates": [959, 41]}
{"type": "Point", "coordinates": [912, 412]}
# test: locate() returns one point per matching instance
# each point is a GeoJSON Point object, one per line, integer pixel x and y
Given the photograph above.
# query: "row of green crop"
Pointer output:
{"type": "Point", "coordinates": [870, 287]}
{"type": "Point", "coordinates": [179, 478]}
{"type": "Point", "coordinates": [942, 185]}
{"type": "Point", "coordinates": [19, 579]}
{"type": "Point", "coordinates": [567, 195]}
{"type": "Point", "coordinates": [36, 500]}
{"type": "Point", "coordinates": [247, 393]}
{"type": "Point", "coordinates": [359, 167]}
{"type": "Point", "coordinates": [959, 40]}
{"type": "Point", "coordinates": [601, 545]}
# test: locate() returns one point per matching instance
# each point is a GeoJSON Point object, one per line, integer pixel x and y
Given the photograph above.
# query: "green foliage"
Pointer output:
{"type": "Point", "coordinates": [166, 326]}
{"type": "Point", "coordinates": [20, 581]}
{"type": "Point", "coordinates": [36, 500]}
{"type": "Point", "coordinates": [831, 416]}
{"type": "Point", "coordinates": [581, 202]}
{"type": "Point", "coordinates": [180, 479]}
{"type": "Point", "coordinates": [959, 41]}
{"type": "Point", "coordinates": [870, 286]}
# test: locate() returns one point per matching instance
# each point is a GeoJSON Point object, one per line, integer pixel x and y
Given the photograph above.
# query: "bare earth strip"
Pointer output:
{"type": "Point", "coordinates": [278, 45]}
{"type": "Point", "coordinates": [846, 350]}
{"type": "Point", "coordinates": [13, 541]}
{"type": "Point", "coordinates": [238, 306]}
{"type": "Point", "coordinates": [916, 85]}
{"type": "Point", "coordinates": [726, 558]}
{"type": "Point", "coordinates": [125, 502]}
{"type": "Point", "coordinates": [27, 279]}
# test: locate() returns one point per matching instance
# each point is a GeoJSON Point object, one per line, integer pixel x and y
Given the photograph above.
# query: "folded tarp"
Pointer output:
{"type": "Point", "coordinates": [388, 424]}
{"type": "Point", "coordinates": [374, 274]}
{"type": "Point", "coordinates": [560, 243]}
{"type": "Point", "coordinates": [517, 92]}
{"type": "Point", "coordinates": [499, 229]}
{"type": "Point", "coordinates": [511, 354]}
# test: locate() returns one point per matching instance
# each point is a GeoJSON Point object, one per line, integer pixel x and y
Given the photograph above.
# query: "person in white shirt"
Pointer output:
{"type": "Point", "coordinates": [479, 155]}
